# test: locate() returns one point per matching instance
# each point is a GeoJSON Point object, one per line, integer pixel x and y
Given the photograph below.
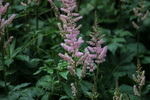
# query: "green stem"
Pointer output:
{"type": "Point", "coordinates": [29, 21]}
{"type": "Point", "coordinates": [7, 31]}
{"type": "Point", "coordinates": [94, 90]}
{"type": "Point", "coordinates": [96, 5]}
{"type": "Point", "coordinates": [31, 42]}
{"type": "Point", "coordinates": [37, 21]}
{"type": "Point", "coordinates": [78, 5]}
{"type": "Point", "coordinates": [120, 14]}
{"type": "Point", "coordinates": [37, 14]}
{"type": "Point", "coordinates": [140, 97]}
{"type": "Point", "coordinates": [4, 68]}
{"type": "Point", "coordinates": [11, 6]}
{"type": "Point", "coordinates": [77, 80]}
{"type": "Point", "coordinates": [138, 40]}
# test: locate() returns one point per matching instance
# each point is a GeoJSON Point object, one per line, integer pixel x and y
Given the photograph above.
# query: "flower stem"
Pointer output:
{"type": "Point", "coordinates": [140, 97]}
{"type": "Point", "coordinates": [78, 5]}
{"type": "Point", "coordinates": [37, 21]}
{"type": "Point", "coordinates": [4, 68]}
{"type": "Point", "coordinates": [120, 14]}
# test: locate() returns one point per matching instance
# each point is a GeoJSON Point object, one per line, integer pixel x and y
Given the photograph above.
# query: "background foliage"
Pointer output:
{"type": "Point", "coordinates": [32, 68]}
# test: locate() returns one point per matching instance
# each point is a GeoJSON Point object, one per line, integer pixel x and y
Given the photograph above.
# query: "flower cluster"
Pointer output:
{"type": "Point", "coordinates": [117, 94]}
{"type": "Point", "coordinates": [57, 13]}
{"type": "Point", "coordinates": [140, 79]}
{"type": "Point", "coordinates": [70, 30]}
{"type": "Point", "coordinates": [98, 53]}
{"type": "Point", "coordinates": [4, 22]}
{"type": "Point", "coordinates": [73, 89]}
{"type": "Point", "coordinates": [36, 2]}
{"type": "Point", "coordinates": [139, 14]}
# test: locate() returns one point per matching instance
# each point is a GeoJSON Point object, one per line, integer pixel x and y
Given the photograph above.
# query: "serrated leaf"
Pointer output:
{"type": "Point", "coordinates": [20, 86]}
{"type": "Point", "coordinates": [146, 60]}
{"type": "Point", "coordinates": [125, 33]}
{"type": "Point", "coordinates": [48, 60]}
{"type": "Point", "coordinates": [68, 90]}
{"type": "Point", "coordinates": [12, 47]}
{"type": "Point", "coordinates": [119, 40]}
{"type": "Point", "coordinates": [87, 9]}
{"type": "Point", "coordinates": [85, 85]}
{"type": "Point", "coordinates": [2, 84]}
{"type": "Point", "coordinates": [113, 47]}
{"type": "Point", "coordinates": [23, 57]}
{"type": "Point", "coordinates": [63, 97]}
{"type": "Point", "coordinates": [8, 62]}
{"type": "Point", "coordinates": [34, 62]}
{"type": "Point", "coordinates": [46, 96]}
{"type": "Point", "coordinates": [122, 33]}
{"type": "Point", "coordinates": [50, 71]}
{"type": "Point", "coordinates": [64, 74]}
{"type": "Point", "coordinates": [10, 71]}
{"type": "Point", "coordinates": [37, 72]}
{"type": "Point", "coordinates": [15, 52]}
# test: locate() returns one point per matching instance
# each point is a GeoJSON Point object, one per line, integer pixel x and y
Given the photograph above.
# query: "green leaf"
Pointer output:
{"type": "Point", "coordinates": [46, 96]}
{"type": "Point", "coordinates": [37, 72]}
{"type": "Point", "coordinates": [146, 60]}
{"type": "Point", "coordinates": [12, 47]}
{"type": "Point", "coordinates": [122, 33]}
{"type": "Point", "coordinates": [20, 86]}
{"type": "Point", "coordinates": [79, 72]}
{"type": "Point", "coordinates": [68, 90]}
{"type": "Point", "coordinates": [2, 84]}
{"type": "Point", "coordinates": [128, 69]}
{"type": "Point", "coordinates": [119, 40]}
{"type": "Point", "coordinates": [50, 71]}
{"type": "Point", "coordinates": [85, 86]}
{"type": "Point", "coordinates": [23, 57]}
{"type": "Point", "coordinates": [63, 97]}
{"type": "Point", "coordinates": [34, 62]}
{"type": "Point", "coordinates": [15, 52]}
{"type": "Point", "coordinates": [113, 47]}
{"type": "Point", "coordinates": [126, 88]}
{"type": "Point", "coordinates": [8, 62]}
{"type": "Point", "coordinates": [64, 74]}
{"type": "Point", "coordinates": [87, 9]}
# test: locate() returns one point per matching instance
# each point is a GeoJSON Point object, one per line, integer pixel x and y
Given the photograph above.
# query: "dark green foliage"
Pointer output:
{"type": "Point", "coordinates": [36, 72]}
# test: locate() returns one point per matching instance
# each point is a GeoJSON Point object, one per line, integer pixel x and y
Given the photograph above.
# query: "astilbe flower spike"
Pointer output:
{"type": "Point", "coordinates": [97, 55]}
{"type": "Point", "coordinates": [4, 23]}
{"type": "Point", "coordinates": [140, 80]}
{"type": "Point", "coordinates": [97, 52]}
{"type": "Point", "coordinates": [36, 2]}
{"type": "Point", "coordinates": [139, 15]}
{"type": "Point", "coordinates": [70, 28]}
{"type": "Point", "coordinates": [72, 43]}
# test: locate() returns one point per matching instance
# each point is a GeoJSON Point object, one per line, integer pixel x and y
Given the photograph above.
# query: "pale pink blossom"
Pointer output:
{"type": "Point", "coordinates": [135, 11]}
{"type": "Point", "coordinates": [78, 18]}
{"type": "Point", "coordinates": [135, 25]}
{"type": "Point", "coordinates": [4, 23]}
{"type": "Point", "coordinates": [72, 41]}
{"type": "Point", "coordinates": [71, 70]}
{"type": "Point", "coordinates": [8, 41]}
{"type": "Point", "coordinates": [145, 16]}
{"type": "Point", "coordinates": [135, 91]}
{"type": "Point", "coordinates": [4, 8]}
{"type": "Point", "coordinates": [66, 57]}
{"type": "Point", "coordinates": [10, 20]}
{"type": "Point", "coordinates": [73, 89]}
{"type": "Point", "coordinates": [83, 70]}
